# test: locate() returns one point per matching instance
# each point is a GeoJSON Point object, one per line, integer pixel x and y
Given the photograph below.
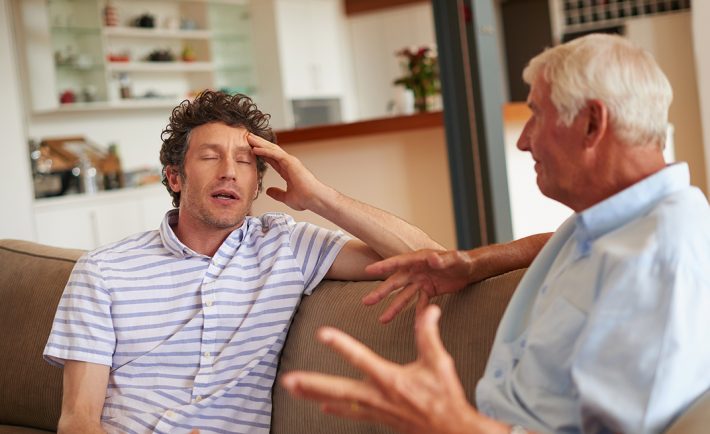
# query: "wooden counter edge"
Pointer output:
{"type": "Point", "coordinates": [374, 126]}
{"type": "Point", "coordinates": [512, 112]}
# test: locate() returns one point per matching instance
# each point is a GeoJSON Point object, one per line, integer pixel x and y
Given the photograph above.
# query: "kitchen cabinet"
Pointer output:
{"type": "Point", "coordinates": [311, 47]}
{"type": "Point", "coordinates": [89, 221]}
{"type": "Point", "coordinates": [76, 61]}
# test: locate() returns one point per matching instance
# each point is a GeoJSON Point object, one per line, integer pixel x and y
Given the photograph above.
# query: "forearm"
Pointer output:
{"type": "Point", "coordinates": [84, 391]}
{"type": "Point", "coordinates": [489, 261]}
{"type": "Point", "coordinates": [383, 232]}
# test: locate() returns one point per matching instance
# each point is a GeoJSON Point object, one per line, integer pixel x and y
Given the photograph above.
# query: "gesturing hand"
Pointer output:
{"type": "Point", "coordinates": [425, 273]}
{"type": "Point", "coordinates": [425, 396]}
{"type": "Point", "coordinates": [302, 187]}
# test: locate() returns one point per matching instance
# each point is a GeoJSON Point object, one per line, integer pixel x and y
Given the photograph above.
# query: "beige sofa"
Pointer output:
{"type": "Point", "coordinates": [32, 277]}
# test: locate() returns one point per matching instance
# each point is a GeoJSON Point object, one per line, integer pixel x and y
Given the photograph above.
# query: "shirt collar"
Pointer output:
{"type": "Point", "coordinates": [629, 204]}
{"type": "Point", "coordinates": [173, 244]}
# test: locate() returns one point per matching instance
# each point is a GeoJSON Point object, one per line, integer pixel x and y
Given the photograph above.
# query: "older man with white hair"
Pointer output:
{"type": "Point", "coordinates": [607, 331]}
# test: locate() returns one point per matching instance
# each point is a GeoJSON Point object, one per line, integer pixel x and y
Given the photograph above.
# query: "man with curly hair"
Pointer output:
{"type": "Point", "coordinates": [181, 328]}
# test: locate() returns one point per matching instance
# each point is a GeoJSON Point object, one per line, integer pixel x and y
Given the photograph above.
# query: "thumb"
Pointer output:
{"type": "Point", "coordinates": [429, 345]}
{"type": "Point", "coordinates": [276, 193]}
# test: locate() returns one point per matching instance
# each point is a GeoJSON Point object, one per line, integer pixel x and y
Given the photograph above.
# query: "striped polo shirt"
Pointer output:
{"type": "Point", "coordinates": [192, 341]}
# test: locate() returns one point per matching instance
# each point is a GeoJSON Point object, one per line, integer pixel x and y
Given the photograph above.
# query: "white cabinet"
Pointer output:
{"type": "Point", "coordinates": [89, 221]}
{"type": "Point", "coordinates": [75, 61]}
{"type": "Point", "coordinates": [311, 47]}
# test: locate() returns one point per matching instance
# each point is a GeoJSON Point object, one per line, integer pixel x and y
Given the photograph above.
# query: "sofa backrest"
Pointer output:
{"type": "Point", "coordinates": [31, 282]}
{"type": "Point", "coordinates": [468, 324]}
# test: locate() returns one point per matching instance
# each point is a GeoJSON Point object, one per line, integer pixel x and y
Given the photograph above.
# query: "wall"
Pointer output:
{"type": "Point", "coordinates": [376, 37]}
{"type": "Point", "coordinates": [669, 38]}
{"type": "Point", "coordinates": [701, 36]}
{"type": "Point", "coordinates": [404, 173]}
{"type": "Point", "coordinates": [16, 189]}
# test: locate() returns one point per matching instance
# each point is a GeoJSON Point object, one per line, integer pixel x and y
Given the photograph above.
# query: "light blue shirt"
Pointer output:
{"type": "Point", "coordinates": [192, 341]}
{"type": "Point", "coordinates": [609, 330]}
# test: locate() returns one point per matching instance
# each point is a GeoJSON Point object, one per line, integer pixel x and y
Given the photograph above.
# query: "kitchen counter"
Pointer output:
{"type": "Point", "coordinates": [366, 127]}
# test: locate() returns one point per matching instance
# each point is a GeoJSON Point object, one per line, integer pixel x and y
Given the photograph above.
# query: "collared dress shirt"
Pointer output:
{"type": "Point", "coordinates": [609, 330]}
{"type": "Point", "coordinates": [192, 341]}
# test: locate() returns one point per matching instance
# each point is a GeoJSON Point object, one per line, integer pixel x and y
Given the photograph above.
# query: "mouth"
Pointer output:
{"type": "Point", "coordinates": [225, 195]}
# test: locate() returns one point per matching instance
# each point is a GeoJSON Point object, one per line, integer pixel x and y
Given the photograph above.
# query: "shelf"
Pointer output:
{"type": "Point", "coordinates": [160, 66]}
{"type": "Point", "coordinates": [138, 103]}
{"type": "Point", "coordinates": [586, 15]}
{"type": "Point", "coordinates": [75, 68]}
{"type": "Point", "coordinates": [137, 32]}
{"type": "Point", "coordinates": [76, 30]}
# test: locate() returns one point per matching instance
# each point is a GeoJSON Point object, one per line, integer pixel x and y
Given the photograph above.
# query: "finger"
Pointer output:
{"type": "Point", "coordinates": [362, 411]}
{"type": "Point", "coordinates": [391, 284]}
{"type": "Point", "coordinates": [259, 142]}
{"type": "Point", "coordinates": [324, 387]}
{"type": "Point", "coordinates": [399, 303]}
{"type": "Point", "coordinates": [356, 353]}
{"type": "Point", "coordinates": [422, 303]}
{"type": "Point", "coordinates": [429, 345]}
{"type": "Point", "coordinates": [396, 262]}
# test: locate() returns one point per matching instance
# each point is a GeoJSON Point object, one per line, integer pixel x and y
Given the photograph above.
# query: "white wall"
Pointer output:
{"type": "Point", "coordinates": [405, 173]}
{"type": "Point", "coordinates": [669, 38]}
{"type": "Point", "coordinates": [376, 37]}
{"type": "Point", "coordinates": [701, 45]}
{"type": "Point", "coordinates": [16, 219]}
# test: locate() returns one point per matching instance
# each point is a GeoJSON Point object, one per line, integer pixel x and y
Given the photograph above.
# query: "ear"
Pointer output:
{"type": "Point", "coordinates": [597, 122]}
{"type": "Point", "coordinates": [174, 180]}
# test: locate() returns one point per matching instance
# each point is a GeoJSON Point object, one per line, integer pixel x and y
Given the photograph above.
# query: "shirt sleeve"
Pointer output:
{"type": "Point", "coordinates": [643, 357]}
{"type": "Point", "coordinates": [315, 249]}
{"type": "Point", "coordinates": [82, 328]}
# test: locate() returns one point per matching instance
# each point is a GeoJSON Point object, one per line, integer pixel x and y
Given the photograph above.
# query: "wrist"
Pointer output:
{"type": "Point", "coordinates": [324, 201]}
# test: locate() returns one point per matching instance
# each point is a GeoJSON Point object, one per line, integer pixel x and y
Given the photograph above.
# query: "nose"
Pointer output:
{"type": "Point", "coordinates": [228, 169]}
{"type": "Point", "coordinates": [524, 140]}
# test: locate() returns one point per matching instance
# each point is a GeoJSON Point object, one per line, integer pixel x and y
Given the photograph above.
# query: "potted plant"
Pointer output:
{"type": "Point", "coordinates": [422, 75]}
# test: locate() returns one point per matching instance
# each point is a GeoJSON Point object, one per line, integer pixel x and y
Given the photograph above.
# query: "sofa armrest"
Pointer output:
{"type": "Point", "coordinates": [468, 325]}
{"type": "Point", "coordinates": [695, 420]}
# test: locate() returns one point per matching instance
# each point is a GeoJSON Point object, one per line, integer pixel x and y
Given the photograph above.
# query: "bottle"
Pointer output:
{"type": "Point", "coordinates": [125, 85]}
{"type": "Point", "coordinates": [110, 15]}
{"type": "Point", "coordinates": [88, 179]}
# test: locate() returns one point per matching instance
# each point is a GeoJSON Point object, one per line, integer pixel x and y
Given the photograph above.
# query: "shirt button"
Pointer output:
{"type": "Point", "coordinates": [198, 398]}
{"type": "Point", "coordinates": [209, 303]}
{"type": "Point", "coordinates": [207, 354]}
{"type": "Point", "coordinates": [169, 413]}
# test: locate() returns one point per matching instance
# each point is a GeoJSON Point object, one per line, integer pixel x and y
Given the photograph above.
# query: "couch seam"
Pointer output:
{"type": "Point", "coordinates": [21, 252]}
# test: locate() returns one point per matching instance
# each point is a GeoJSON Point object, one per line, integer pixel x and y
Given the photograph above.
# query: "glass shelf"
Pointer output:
{"type": "Point", "coordinates": [136, 32]}
{"type": "Point", "coordinates": [76, 30]}
{"type": "Point", "coordinates": [76, 68]}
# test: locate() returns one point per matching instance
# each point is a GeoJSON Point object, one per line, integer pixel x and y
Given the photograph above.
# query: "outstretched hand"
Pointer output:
{"type": "Point", "coordinates": [425, 273]}
{"type": "Point", "coordinates": [425, 396]}
{"type": "Point", "coordinates": [302, 187]}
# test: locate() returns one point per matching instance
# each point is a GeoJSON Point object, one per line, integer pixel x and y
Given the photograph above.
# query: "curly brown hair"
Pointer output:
{"type": "Point", "coordinates": [210, 106]}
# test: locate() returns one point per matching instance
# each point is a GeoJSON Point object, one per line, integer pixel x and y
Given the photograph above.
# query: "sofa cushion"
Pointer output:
{"type": "Point", "coordinates": [468, 325]}
{"type": "Point", "coordinates": [31, 283]}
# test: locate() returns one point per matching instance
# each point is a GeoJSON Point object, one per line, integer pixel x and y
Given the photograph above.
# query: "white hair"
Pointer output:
{"type": "Point", "coordinates": [611, 69]}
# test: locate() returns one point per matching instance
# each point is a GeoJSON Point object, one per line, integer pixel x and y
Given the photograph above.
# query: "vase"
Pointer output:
{"type": "Point", "coordinates": [420, 100]}
{"type": "Point", "coordinates": [420, 103]}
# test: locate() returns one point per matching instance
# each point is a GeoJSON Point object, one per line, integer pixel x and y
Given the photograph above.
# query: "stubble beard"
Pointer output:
{"type": "Point", "coordinates": [206, 216]}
